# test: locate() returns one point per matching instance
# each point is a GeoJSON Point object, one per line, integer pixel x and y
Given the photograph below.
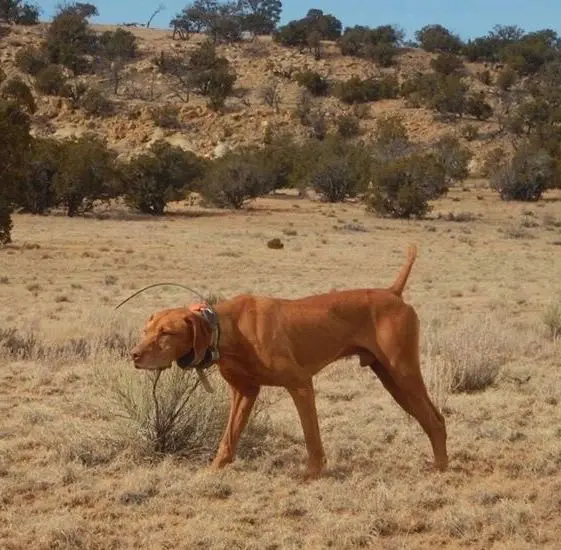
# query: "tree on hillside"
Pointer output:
{"type": "Point", "coordinates": [69, 38]}
{"type": "Point", "coordinates": [85, 10]}
{"type": "Point", "coordinates": [316, 24]}
{"type": "Point", "coordinates": [436, 38]}
{"type": "Point", "coordinates": [21, 13]}
{"type": "Point", "coordinates": [379, 44]}
{"type": "Point", "coordinates": [221, 21]}
{"type": "Point", "coordinates": [260, 16]}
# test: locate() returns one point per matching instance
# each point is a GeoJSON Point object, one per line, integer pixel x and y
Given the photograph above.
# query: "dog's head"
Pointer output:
{"type": "Point", "coordinates": [169, 335]}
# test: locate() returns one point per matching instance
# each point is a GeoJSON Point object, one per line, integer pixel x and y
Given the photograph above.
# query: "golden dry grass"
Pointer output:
{"type": "Point", "coordinates": [70, 479]}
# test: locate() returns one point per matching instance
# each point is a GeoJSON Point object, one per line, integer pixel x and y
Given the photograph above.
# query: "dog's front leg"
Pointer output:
{"type": "Point", "coordinates": [242, 399]}
{"type": "Point", "coordinates": [305, 401]}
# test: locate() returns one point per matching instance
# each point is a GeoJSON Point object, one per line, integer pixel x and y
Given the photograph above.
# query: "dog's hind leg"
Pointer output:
{"type": "Point", "coordinates": [413, 398]}
{"type": "Point", "coordinates": [397, 365]}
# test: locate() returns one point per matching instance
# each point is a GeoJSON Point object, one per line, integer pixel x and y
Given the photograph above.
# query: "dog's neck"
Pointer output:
{"type": "Point", "coordinates": [229, 342]}
{"type": "Point", "coordinates": [212, 353]}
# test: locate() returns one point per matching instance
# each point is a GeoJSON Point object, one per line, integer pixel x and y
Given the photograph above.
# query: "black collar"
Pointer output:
{"type": "Point", "coordinates": [212, 354]}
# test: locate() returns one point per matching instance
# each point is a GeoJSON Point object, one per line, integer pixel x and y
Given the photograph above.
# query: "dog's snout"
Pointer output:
{"type": "Point", "coordinates": [135, 354]}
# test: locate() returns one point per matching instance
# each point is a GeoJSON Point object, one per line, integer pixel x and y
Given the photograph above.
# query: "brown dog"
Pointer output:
{"type": "Point", "coordinates": [277, 342]}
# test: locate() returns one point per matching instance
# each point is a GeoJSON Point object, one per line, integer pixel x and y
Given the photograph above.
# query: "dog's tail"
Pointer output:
{"type": "Point", "coordinates": [401, 280]}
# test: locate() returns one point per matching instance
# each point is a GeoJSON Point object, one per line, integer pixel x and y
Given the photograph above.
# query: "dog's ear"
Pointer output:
{"type": "Point", "coordinates": [202, 334]}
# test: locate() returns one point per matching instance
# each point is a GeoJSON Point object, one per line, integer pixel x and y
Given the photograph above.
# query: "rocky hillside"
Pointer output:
{"type": "Point", "coordinates": [259, 63]}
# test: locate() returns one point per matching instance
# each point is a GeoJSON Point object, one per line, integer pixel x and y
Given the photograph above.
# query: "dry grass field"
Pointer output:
{"type": "Point", "coordinates": [75, 475]}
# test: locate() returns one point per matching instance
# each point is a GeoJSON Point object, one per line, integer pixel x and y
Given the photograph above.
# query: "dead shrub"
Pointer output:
{"type": "Point", "coordinates": [552, 319]}
{"type": "Point", "coordinates": [176, 416]}
{"type": "Point", "coordinates": [466, 356]}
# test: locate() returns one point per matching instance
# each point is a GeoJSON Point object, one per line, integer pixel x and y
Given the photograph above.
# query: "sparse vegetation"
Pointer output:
{"type": "Point", "coordinates": [30, 60]}
{"type": "Point", "coordinates": [356, 90]}
{"type": "Point", "coordinates": [19, 91]}
{"type": "Point", "coordinates": [552, 319]}
{"type": "Point", "coordinates": [89, 445]}
{"type": "Point", "coordinates": [50, 80]}
{"type": "Point", "coordinates": [94, 102]}
{"type": "Point", "coordinates": [316, 84]}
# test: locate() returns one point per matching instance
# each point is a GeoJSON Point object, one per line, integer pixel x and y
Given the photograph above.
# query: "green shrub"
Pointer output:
{"type": "Point", "coordinates": [332, 181]}
{"type": "Point", "coordinates": [85, 10]}
{"type": "Point", "coordinates": [450, 97]}
{"type": "Point", "coordinates": [436, 38]}
{"type": "Point", "coordinates": [335, 168]}
{"type": "Point", "coordinates": [165, 173]}
{"type": "Point", "coordinates": [14, 143]}
{"type": "Point", "coordinates": [69, 39]}
{"type": "Point", "coordinates": [304, 108]}
{"type": "Point", "coordinates": [210, 74]}
{"type": "Point", "coordinates": [420, 88]}
{"type": "Point", "coordinates": [94, 102]}
{"type": "Point", "coordinates": [276, 161]}
{"type": "Point", "coordinates": [85, 174]}
{"type": "Point", "coordinates": [356, 90]}
{"type": "Point", "coordinates": [119, 44]}
{"type": "Point", "coordinates": [379, 44]}
{"type": "Point", "coordinates": [348, 126]}
{"type": "Point", "coordinates": [403, 187]}
{"type": "Point", "coordinates": [296, 33]}
{"type": "Point", "coordinates": [30, 60]}
{"type": "Point", "coordinates": [383, 54]}
{"type": "Point", "coordinates": [507, 79]}
{"type": "Point", "coordinates": [526, 176]}
{"type": "Point", "coordinates": [477, 107]}
{"type": "Point", "coordinates": [50, 80]}
{"type": "Point", "coordinates": [391, 139]}
{"type": "Point", "coordinates": [37, 193]}
{"type": "Point", "coordinates": [314, 43]}
{"type": "Point", "coordinates": [6, 223]}
{"type": "Point", "coordinates": [21, 13]}
{"type": "Point", "coordinates": [532, 51]}
{"type": "Point", "coordinates": [233, 180]}
{"type": "Point", "coordinates": [316, 84]}
{"type": "Point", "coordinates": [446, 64]}
{"type": "Point", "coordinates": [19, 91]}
{"type": "Point", "coordinates": [453, 157]}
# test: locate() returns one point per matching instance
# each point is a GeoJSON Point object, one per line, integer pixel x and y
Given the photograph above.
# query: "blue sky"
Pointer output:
{"type": "Point", "coordinates": [468, 19]}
